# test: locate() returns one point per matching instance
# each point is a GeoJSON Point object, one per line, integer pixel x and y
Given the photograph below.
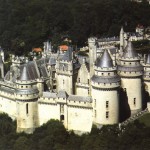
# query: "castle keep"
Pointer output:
{"type": "Point", "coordinates": [79, 91]}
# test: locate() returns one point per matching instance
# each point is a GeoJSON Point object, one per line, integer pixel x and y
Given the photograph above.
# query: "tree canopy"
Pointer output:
{"type": "Point", "coordinates": [27, 23]}
{"type": "Point", "coordinates": [53, 136]}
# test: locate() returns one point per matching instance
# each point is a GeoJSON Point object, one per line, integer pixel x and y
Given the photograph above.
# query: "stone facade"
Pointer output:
{"type": "Point", "coordinates": [78, 92]}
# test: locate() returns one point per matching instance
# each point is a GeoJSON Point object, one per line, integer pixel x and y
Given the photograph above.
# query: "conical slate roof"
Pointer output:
{"type": "Point", "coordinates": [68, 55]}
{"type": "Point", "coordinates": [148, 59]}
{"type": "Point", "coordinates": [105, 60]}
{"type": "Point", "coordinates": [25, 76]}
{"type": "Point", "coordinates": [129, 51]}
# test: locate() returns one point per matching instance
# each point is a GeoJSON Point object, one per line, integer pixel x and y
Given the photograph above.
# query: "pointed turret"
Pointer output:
{"type": "Point", "coordinates": [130, 51]}
{"type": "Point", "coordinates": [130, 70]}
{"type": "Point", "coordinates": [148, 59]}
{"type": "Point", "coordinates": [105, 60]}
{"type": "Point", "coordinates": [25, 76]}
{"type": "Point", "coordinates": [104, 90]}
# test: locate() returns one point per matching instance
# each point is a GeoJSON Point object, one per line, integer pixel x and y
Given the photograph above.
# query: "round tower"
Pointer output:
{"type": "Point", "coordinates": [130, 70]}
{"type": "Point", "coordinates": [105, 91]}
{"type": "Point", "coordinates": [26, 101]}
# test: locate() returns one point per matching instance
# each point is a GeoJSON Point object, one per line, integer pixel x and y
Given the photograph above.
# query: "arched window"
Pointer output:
{"type": "Point", "coordinates": [27, 109]}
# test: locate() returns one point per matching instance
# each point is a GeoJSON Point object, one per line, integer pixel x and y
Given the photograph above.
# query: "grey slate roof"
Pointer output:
{"type": "Point", "coordinates": [129, 51]}
{"type": "Point", "coordinates": [62, 94]}
{"type": "Point", "coordinates": [42, 61]}
{"type": "Point", "coordinates": [107, 79]}
{"type": "Point", "coordinates": [148, 59]}
{"type": "Point", "coordinates": [130, 68]}
{"type": "Point", "coordinates": [34, 74]}
{"type": "Point", "coordinates": [79, 98]}
{"type": "Point", "coordinates": [52, 61]}
{"type": "Point", "coordinates": [68, 55]}
{"type": "Point", "coordinates": [104, 61]}
{"type": "Point", "coordinates": [25, 76]}
{"type": "Point", "coordinates": [26, 91]}
{"type": "Point", "coordinates": [43, 71]}
{"type": "Point", "coordinates": [49, 95]}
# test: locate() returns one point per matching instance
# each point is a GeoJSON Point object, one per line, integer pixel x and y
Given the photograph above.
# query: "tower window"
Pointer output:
{"type": "Point", "coordinates": [95, 113]}
{"type": "Point", "coordinates": [79, 80]}
{"type": "Point", "coordinates": [107, 114]}
{"type": "Point", "coordinates": [134, 102]}
{"type": "Point", "coordinates": [109, 74]}
{"type": "Point", "coordinates": [63, 81]}
{"type": "Point", "coordinates": [88, 91]}
{"type": "Point", "coordinates": [88, 81]}
{"type": "Point", "coordinates": [107, 104]}
{"type": "Point", "coordinates": [27, 109]}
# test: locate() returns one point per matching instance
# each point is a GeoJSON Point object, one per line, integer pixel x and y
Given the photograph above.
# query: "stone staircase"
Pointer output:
{"type": "Point", "coordinates": [134, 117]}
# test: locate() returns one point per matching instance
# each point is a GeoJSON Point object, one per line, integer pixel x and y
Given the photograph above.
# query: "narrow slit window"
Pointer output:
{"type": "Point", "coordinates": [95, 113]}
{"type": "Point", "coordinates": [107, 104]}
{"type": "Point", "coordinates": [27, 109]}
{"type": "Point", "coordinates": [107, 114]}
{"type": "Point", "coordinates": [88, 81]}
{"type": "Point", "coordinates": [134, 102]}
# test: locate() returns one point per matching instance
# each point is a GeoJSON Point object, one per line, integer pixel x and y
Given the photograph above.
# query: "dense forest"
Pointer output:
{"type": "Point", "coordinates": [53, 136]}
{"type": "Point", "coordinates": [27, 23]}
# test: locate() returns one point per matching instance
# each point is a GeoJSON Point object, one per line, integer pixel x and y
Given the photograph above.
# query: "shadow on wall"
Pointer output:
{"type": "Point", "coordinates": [145, 97]}
{"type": "Point", "coordinates": [125, 111]}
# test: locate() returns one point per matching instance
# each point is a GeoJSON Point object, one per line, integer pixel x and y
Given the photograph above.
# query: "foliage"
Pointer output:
{"type": "Point", "coordinates": [145, 119]}
{"type": "Point", "coordinates": [27, 23]}
{"type": "Point", "coordinates": [53, 136]}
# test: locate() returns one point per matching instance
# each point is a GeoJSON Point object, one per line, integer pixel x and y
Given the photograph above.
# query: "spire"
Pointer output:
{"type": "Point", "coordinates": [130, 51]}
{"type": "Point", "coordinates": [47, 46]}
{"type": "Point", "coordinates": [148, 59]}
{"type": "Point", "coordinates": [121, 31]}
{"type": "Point", "coordinates": [24, 76]}
{"type": "Point", "coordinates": [68, 55]}
{"type": "Point", "coordinates": [105, 60]}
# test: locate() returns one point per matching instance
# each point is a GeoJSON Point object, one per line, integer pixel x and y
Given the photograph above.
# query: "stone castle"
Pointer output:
{"type": "Point", "coordinates": [103, 89]}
